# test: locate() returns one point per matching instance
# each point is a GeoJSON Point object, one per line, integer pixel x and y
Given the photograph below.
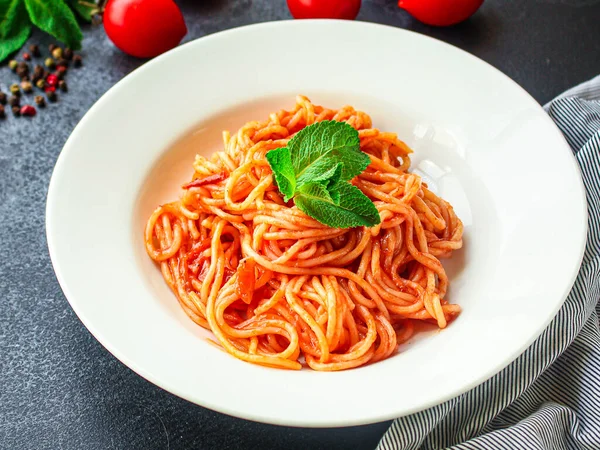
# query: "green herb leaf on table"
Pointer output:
{"type": "Point", "coordinates": [315, 169]}
{"type": "Point", "coordinates": [85, 10]}
{"type": "Point", "coordinates": [15, 26]}
{"type": "Point", "coordinates": [354, 208]}
{"type": "Point", "coordinates": [55, 18]}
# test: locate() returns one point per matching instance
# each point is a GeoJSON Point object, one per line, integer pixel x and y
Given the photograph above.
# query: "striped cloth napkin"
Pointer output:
{"type": "Point", "coordinates": [549, 398]}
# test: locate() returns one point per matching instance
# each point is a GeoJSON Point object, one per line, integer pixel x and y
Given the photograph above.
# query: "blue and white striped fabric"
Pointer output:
{"type": "Point", "coordinates": [549, 398]}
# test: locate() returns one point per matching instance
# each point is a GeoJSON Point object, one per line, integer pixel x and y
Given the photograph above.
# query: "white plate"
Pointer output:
{"type": "Point", "coordinates": [483, 142]}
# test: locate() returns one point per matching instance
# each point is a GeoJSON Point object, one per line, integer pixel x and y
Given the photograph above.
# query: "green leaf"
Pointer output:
{"type": "Point", "coordinates": [55, 18]}
{"type": "Point", "coordinates": [83, 10]}
{"type": "Point", "coordinates": [354, 209]}
{"type": "Point", "coordinates": [316, 147]}
{"type": "Point", "coordinates": [327, 171]}
{"type": "Point", "coordinates": [15, 26]}
{"type": "Point", "coordinates": [281, 164]}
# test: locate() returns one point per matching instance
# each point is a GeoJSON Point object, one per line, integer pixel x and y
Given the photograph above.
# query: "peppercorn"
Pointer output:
{"type": "Point", "coordinates": [49, 62]}
{"type": "Point", "coordinates": [2, 113]}
{"type": "Point", "coordinates": [16, 111]}
{"type": "Point", "coordinates": [38, 71]}
{"type": "Point", "coordinates": [2, 98]}
{"type": "Point", "coordinates": [57, 53]}
{"type": "Point", "coordinates": [51, 95]}
{"type": "Point", "coordinates": [68, 53]}
{"type": "Point", "coordinates": [25, 78]}
{"type": "Point", "coordinates": [40, 101]}
{"type": "Point", "coordinates": [13, 65]}
{"type": "Point", "coordinates": [62, 62]}
{"type": "Point", "coordinates": [26, 56]}
{"type": "Point", "coordinates": [28, 111]}
{"type": "Point", "coordinates": [62, 84]}
{"type": "Point", "coordinates": [40, 83]}
{"type": "Point", "coordinates": [52, 80]}
{"type": "Point", "coordinates": [14, 90]}
{"type": "Point", "coordinates": [14, 101]}
{"type": "Point", "coordinates": [22, 71]}
{"type": "Point", "coordinates": [51, 47]}
{"type": "Point", "coordinates": [35, 50]}
{"type": "Point", "coordinates": [26, 86]}
{"type": "Point", "coordinates": [77, 61]}
{"type": "Point", "coordinates": [60, 75]}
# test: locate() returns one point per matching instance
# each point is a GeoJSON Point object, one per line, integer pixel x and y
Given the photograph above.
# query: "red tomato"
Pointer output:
{"type": "Point", "coordinates": [324, 9]}
{"type": "Point", "coordinates": [144, 28]}
{"type": "Point", "coordinates": [440, 13]}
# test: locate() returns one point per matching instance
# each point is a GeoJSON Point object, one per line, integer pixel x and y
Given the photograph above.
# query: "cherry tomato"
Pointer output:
{"type": "Point", "coordinates": [440, 13]}
{"type": "Point", "coordinates": [324, 9]}
{"type": "Point", "coordinates": [144, 28]}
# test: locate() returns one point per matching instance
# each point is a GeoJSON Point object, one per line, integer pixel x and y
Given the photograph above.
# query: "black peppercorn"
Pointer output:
{"type": "Point", "coordinates": [16, 111]}
{"type": "Point", "coordinates": [22, 71]}
{"type": "Point", "coordinates": [62, 84]}
{"type": "Point", "coordinates": [34, 50]}
{"type": "Point", "coordinates": [2, 113]}
{"type": "Point", "coordinates": [77, 61]}
{"type": "Point", "coordinates": [51, 47]}
{"type": "Point", "coordinates": [14, 101]}
{"type": "Point", "coordinates": [40, 101]}
{"type": "Point", "coordinates": [25, 78]}
{"type": "Point", "coordinates": [2, 98]}
{"type": "Point", "coordinates": [68, 53]}
{"type": "Point", "coordinates": [38, 71]}
{"type": "Point", "coordinates": [51, 96]}
{"type": "Point", "coordinates": [62, 62]}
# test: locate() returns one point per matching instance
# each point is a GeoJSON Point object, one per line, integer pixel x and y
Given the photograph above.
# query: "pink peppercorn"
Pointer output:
{"type": "Point", "coordinates": [28, 110]}
{"type": "Point", "coordinates": [52, 80]}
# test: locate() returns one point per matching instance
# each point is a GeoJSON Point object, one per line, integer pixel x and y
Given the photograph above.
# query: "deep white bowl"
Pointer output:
{"type": "Point", "coordinates": [481, 141]}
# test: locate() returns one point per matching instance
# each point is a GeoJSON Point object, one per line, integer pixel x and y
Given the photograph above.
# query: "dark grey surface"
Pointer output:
{"type": "Point", "coordinates": [59, 388]}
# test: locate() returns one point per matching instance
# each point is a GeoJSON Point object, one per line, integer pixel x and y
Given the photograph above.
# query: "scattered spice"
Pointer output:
{"type": "Point", "coordinates": [62, 62]}
{"type": "Point", "coordinates": [14, 101]}
{"type": "Point", "coordinates": [2, 98]}
{"type": "Point", "coordinates": [22, 69]}
{"type": "Point", "coordinates": [38, 71]}
{"type": "Point", "coordinates": [52, 80]}
{"type": "Point", "coordinates": [26, 56]}
{"type": "Point", "coordinates": [57, 53]}
{"type": "Point", "coordinates": [77, 61]}
{"type": "Point", "coordinates": [51, 47]}
{"type": "Point", "coordinates": [68, 54]}
{"type": "Point", "coordinates": [62, 84]}
{"type": "Point", "coordinates": [16, 111]}
{"type": "Point", "coordinates": [40, 83]}
{"type": "Point", "coordinates": [40, 101]}
{"type": "Point", "coordinates": [12, 64]}
{"type": "Point", "coordinates": [14, 90]}
{"type": "Point", "coordinates": [28, 111]}
{"type": "Point", "coordinates": [49, 62]}
{"type": "Point", "coordinates": [51, 95]}
{"type": "Point", "coordinates": [2, 113]}
{"type": "Point", "coordinates": [35, 50]}
{"type": "Point", "coordinates": [26, 86]}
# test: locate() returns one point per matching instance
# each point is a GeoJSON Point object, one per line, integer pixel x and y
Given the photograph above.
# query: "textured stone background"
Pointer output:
{"type": "Point", "coordinates": [59, 388]}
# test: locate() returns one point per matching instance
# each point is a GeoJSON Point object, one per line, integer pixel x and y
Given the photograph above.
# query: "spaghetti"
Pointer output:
{"type": "Point", "coordinates": [275, 286]}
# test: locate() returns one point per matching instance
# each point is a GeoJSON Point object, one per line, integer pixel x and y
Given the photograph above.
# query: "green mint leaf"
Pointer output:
{"type": "Point", "coordinates": [15, 27]}
{"type": "Point", "coordinates": [324, 143]}
{"type": "Point", "coordinates": [83, 10]}
{"type": "Point", "coordinates": [55, 18]}
{"type": "Point", "coordinates": [326, 171]}
{"type": "Point", "coordinates": [354, 209]}
{"type": "Point", "coordinates": [283, 171]}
